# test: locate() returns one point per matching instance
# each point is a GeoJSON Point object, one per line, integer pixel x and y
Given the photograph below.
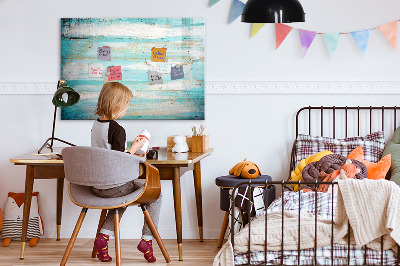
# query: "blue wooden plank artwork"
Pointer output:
{"type": "Point", "coordinates": [131, 51]}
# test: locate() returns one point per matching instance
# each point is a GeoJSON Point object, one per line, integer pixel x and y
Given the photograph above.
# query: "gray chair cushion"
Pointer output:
{"type": "Point", "coordinates": [99, 167]}
{"type": "Point", "coordinates": [84, 196]}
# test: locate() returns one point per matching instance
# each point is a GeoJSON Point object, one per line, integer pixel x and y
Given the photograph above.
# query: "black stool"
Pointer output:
{"type": "Point", "coordinates": [226, 183]}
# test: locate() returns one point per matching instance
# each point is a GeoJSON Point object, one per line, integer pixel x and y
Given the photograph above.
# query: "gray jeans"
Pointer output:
{"type": "Point", "coordinates": [154, 208]}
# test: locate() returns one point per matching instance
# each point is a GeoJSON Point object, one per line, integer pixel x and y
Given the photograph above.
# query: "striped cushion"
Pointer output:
{"type": "Point", "coordinates": [372, 145]}
{"type": "Point", "coordinates": [13, 228]}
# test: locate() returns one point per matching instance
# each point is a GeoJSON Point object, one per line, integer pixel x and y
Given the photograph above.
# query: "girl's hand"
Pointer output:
{"type": "Point", "coordinates": [137, 144]}
{"type": "Point", "coordinates": [142, 155]}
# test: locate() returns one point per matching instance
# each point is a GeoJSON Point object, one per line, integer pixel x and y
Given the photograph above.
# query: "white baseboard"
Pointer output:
{"type": "Point", "coordinates": [248, 87]}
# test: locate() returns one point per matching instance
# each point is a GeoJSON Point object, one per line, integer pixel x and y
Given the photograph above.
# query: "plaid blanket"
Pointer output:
{"type": "Point", "coordinates": [306, 201]}
{"type": "Point", "coordinates": [323, 205]}
{"type": "Point", "coordinates": [340, 253]}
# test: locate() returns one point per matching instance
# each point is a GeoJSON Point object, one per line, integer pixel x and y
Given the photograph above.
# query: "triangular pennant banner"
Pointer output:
{"type": "Point", "coordinates": [256, 27]}
{"type": "Point", "coordinates": [237, 9]}
{"type": "Point", "coordinates": [361, 38]}
{"type": "Point", "coordinates": [281, 31]}
{"type": "Point", "coordinates": [332, 41]}
{"type": "Point", "coordinates": [213, 2]}
{"type": "Point", "coordinates": [389, 30]}
{"type": "Point", "coordinates": [306, 39]}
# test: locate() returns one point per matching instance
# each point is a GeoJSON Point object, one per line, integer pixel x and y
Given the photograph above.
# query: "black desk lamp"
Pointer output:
{"type": "Point", "coordinates": [273, 11]}
{"type": "Point", "coordinates": [59, 101]}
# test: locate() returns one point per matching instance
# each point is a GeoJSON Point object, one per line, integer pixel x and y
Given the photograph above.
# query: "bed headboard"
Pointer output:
{"type": "Point", "coordinates": [344, 121]}
{"type": "Point", "coordinates": [347, 116]}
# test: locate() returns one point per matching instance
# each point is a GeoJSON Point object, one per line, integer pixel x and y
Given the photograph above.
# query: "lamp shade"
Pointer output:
{"type": "Point", "coordinates": [273, 11]}
{"type": "Point", "coordinates": [65, 96]}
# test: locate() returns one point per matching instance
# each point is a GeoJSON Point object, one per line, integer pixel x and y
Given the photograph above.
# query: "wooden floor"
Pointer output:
{"type": "Point", "coordinates": [50, 252]}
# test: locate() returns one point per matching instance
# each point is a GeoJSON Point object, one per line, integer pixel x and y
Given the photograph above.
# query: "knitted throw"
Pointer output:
{"type": "Point", "coordinates": [373, 209]}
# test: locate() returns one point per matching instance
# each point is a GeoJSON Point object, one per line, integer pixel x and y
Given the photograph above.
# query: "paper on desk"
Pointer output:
{"type": "Point", "coordinates": [52, 155]}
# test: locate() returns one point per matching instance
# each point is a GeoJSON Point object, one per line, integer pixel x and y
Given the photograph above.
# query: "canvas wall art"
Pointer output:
{"type": "Point", "coordinates": [161, 60]}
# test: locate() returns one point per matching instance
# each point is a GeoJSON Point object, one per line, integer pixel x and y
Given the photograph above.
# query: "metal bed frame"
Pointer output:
{"type": "Point", "coordinates": [283, 184]}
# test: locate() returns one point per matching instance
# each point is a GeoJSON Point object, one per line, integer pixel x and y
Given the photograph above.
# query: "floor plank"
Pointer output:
{"type": "Point", "coordinates": [49, 252]}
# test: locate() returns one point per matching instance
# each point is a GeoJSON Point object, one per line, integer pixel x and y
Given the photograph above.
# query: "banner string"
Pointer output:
{"type": "Point", "coordinates": [341, 32]}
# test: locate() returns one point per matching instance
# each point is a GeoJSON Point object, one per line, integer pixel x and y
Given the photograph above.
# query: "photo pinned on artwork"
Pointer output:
{"type": "Point", "coordinates": [164, 67]}
{"type": "Point", "coordinates": [114, 73]}
{"type": "Point", "coordinates": [177, 72]}
{"type": "Point", "coordinates": [104, 53]}
{"type": "Point", "coordinates": [155, 78]}
{"type": "Point", "coordinates": [96, 70]}
{"type": "Point", "coordinates": [158, 54]}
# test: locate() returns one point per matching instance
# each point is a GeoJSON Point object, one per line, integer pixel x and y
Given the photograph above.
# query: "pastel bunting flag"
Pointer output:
{"type": "Point", "coordinates": [361, 37]}
{"type": "Point", "coordinates": [213, 2]}
{"type": "Point", "coordinates": [306, 39]}
{"type": "Point", "coordinates": [237, 9]}
{"type": "Point", "coordinates": [332, 41]}
{"type": "Point", "coordinates": [281, 31]}
{"type": "Point", "coordinates": [389, 30]}
{"type": "Point", "coordinates": [256, 27]}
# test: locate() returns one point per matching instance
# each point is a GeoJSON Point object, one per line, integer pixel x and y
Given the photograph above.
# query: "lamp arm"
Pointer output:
{"type": "Point", "coordinates": [54, 126]}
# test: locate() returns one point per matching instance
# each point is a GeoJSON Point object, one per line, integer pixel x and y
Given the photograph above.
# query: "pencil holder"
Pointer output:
{"type": "Point", "coordinates": [200, 143]}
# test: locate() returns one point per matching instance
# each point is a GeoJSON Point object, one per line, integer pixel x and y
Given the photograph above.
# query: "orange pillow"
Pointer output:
{"type": "Point", "coordinates": [375, 170]}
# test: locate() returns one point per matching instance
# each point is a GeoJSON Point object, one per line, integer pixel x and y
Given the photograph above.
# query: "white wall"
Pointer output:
{"type": "Point", "coordinates": [259, 127]}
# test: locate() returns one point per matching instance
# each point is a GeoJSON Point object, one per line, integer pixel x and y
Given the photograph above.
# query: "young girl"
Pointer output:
{"type": "Point", "coordinates": [113, 103]}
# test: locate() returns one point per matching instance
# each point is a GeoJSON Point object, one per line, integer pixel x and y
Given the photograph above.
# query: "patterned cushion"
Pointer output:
{"type": "Point", "coordinates": [372, 144]}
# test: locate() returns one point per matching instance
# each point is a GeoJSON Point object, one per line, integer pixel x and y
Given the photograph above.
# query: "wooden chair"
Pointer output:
{"type": "Point", "coordinates": [85, 167]}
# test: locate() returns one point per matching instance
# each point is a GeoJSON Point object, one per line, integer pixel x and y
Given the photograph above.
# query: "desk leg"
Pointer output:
{"type": "Point", "coordinates": [27, 206]}
{"type": "Point", "coordinates": [60, 190]}
{"type": "Point", "coordinates": [199, 204]}
{"type": "Point", "coordinates": [176, 182]}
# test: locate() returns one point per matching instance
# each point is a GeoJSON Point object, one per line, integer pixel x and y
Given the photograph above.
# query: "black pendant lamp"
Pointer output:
{"type": "Point", "coordinates": [273, 11]}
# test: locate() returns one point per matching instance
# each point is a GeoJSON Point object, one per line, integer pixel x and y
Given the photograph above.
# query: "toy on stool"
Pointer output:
{"type": "Point", "coordinates": [245, 169]}
{"type": "Point", "coordinates": [13, 215]}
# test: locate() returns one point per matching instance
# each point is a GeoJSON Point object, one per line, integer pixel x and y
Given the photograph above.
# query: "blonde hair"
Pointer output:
{"type": "Point", "coordinates": [113, 98]}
